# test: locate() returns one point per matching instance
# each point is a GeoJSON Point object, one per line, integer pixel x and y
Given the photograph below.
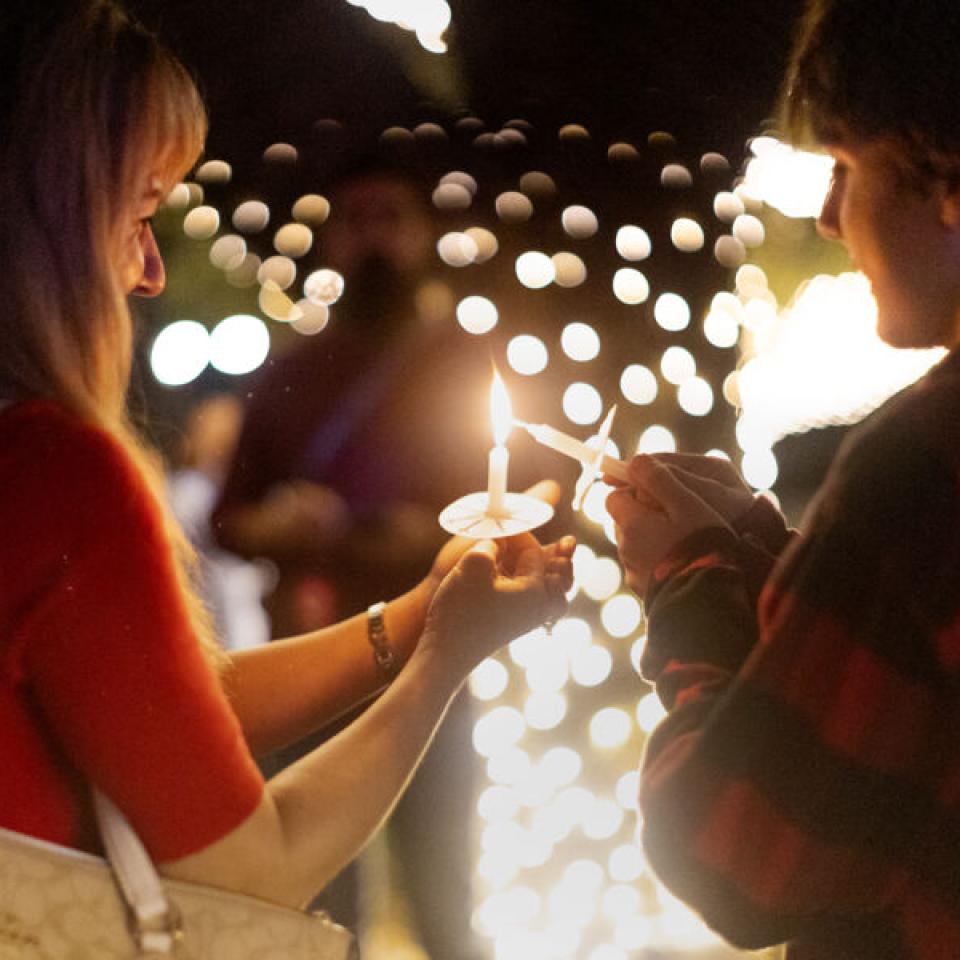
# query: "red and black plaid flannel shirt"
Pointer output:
{"type": "Point", "coordinates": [805, 786]}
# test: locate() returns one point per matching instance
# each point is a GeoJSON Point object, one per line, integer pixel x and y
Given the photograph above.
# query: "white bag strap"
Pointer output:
{"type": "Point", "coordinates": [157, 924]}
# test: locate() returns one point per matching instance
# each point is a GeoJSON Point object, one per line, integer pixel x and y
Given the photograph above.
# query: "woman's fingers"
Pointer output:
{"type": "Point", "coordinates": [479, 563]}
{"type": "Point", "coordinates": [546, 490]}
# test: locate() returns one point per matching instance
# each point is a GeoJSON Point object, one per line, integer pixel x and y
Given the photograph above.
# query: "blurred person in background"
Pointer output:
{"type": "Point", "coordinates": [232, 588]}
{"type": "Point", "coordinates": [332, 472]}
{"type": "Point", "coordinates": [353, 441]}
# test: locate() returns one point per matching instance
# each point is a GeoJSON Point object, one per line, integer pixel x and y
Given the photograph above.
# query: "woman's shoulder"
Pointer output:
{"type": "Point", "coordinates": [61, 454]}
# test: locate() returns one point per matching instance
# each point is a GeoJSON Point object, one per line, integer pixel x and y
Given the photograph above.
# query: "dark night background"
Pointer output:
{"type": "Point", "coordinates": [706, 70]}
{"type": "Point", "coordinates": [328, 78]}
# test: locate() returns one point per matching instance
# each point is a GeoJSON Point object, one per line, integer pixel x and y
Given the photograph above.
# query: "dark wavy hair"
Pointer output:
{"type": "Point", "coordinates": [879, 70]}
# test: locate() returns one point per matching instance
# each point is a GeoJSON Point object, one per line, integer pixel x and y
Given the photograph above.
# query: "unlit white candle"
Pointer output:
{"type": "Point", "coordinates": [576, 449]}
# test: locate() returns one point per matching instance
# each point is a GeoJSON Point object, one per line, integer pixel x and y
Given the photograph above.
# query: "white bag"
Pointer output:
{"type": "Point", "coordinates": [57, 903]}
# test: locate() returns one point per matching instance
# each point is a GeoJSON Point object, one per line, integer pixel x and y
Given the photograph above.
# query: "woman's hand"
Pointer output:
{"type": "Point", "coordinates": [653, 513]}
{"type": "Point", "coordinates": [496, 591]}
{"type": "Point", "coordinates": [456, 547]}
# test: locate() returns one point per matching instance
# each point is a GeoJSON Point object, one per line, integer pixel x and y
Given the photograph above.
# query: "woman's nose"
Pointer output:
{"type": "Point", "coordinates": [154, 275]}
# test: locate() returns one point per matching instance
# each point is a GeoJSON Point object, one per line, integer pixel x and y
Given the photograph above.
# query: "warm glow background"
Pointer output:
{"type": "Point", "coordinates": [684, 283]}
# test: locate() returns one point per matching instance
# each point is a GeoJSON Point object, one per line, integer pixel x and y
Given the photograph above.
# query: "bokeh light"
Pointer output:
{"type": "Point", "coordinates": [477, 315]}
{"type": "Point", "coordinates": [293, 240]}
{"type": "Point", "coordinates": [489, 679]}
{"type": "Point", "coordinates": [458, 249]}
{"type": "Point", "coordinates": [535, 269]}
{"type": "Point", "coordinates": [324, 287]}
{"type": "Point", "coordinates": [251, 216]}
{"type": "Point", "coordinates": [214, 171]}
{"type": "Point", "coordinates": [672, 312]}
{"type": "Point", "coordinates": [579, 222]}
{"type": "Point", "coordinates": [638, 384]}
{"type": "Point", "coordinates": [582, 403]}
{"type": "Point", "coordinates": [695, 396]}
{"type": "Point", "coordinates": [527, 354]}
{"type": "Point", "coordinates": [657, 439]}
{"type": "Point", "coordinates": [630, 286]}
{"type": "Point", "coordinates": [244, 274]}
{"type": "Point", "coordinates": [513, 207]}
{"type": "Point", "coordinates": [610, 728]}
{"type": "Point", "coordinates": [621, 615]}
{"type": "Point", "coordinates": [281, 154]}
{"type": "Point", "coordinates": [180, 353]}
{"type": "Point", "coordinates": [536, 183]}
{"type": "Point", "coordinates": [309, 318]}
{"type": "Point", "coordinates": [452, 196]}
{"type": "Point", "coordinates": [677, 364]}
{"type": "Point", "coordinates": [276, 304]}
{"type": "Point", "coordinates": [201, 223]}
{"type": "Point", "coordinates": [279, 269]}
{"type": "Point", "coordinates": [568, 269]}
{"type": "Point", "coordinates": [485, 241]}
{"type": "Point", "coordinates": [311, 209]}
{"type": "Point", "coordinates": [580, 341]}
{"type": "Point", "coordinates": [687, 235]}
{"type": "Point", "coordinates": [228, 252]}
{"type": "Point", "coordinates": [633, 243]}
{"type": "Point", "coordinates": [239, 344]}
{"type": "Point", "coordinates": [795, 182]}
{"type": "Point", "coordinates": [676, 176]}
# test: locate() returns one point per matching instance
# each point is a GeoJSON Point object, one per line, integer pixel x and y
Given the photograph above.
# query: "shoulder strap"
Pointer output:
{"type": "Point", "coordinates": [156, 925]}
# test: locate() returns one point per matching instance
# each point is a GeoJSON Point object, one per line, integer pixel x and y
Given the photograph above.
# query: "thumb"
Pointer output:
{"type": "Point", "coordinates": [480, 561]}
{"type": "Point", "coordinates": [546, 490]}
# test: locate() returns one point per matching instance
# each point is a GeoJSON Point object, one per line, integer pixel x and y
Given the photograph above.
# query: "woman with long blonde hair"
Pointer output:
{"type": "Point", "coordinates": [109, 673]}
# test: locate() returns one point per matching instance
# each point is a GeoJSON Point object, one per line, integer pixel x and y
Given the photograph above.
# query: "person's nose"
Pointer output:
{"type": "Point", "coordinates": [154, 276]}
{"type": "Point", "coordinates": [828, 223]}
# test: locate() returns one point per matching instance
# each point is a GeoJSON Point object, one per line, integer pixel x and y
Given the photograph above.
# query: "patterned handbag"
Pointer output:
{"type": "Point", "coordinates": [61, 904]}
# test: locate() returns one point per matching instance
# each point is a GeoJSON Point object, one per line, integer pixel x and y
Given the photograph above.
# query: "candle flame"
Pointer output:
{"type": "Point", "coordinates": [501, 414]}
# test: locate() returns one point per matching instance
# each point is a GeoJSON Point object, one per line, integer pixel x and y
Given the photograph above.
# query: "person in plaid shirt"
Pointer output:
{"type": "Point", "coordinates": [804, 787]}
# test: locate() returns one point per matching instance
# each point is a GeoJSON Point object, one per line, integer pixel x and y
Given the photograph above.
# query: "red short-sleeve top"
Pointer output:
{"type": "Point", "coordinates": [102, 680]}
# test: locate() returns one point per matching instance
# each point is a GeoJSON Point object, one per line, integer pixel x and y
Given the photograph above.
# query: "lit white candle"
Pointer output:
{"type": "Point", "coordinates": [576, 449]}
{"type": "Point", "coordinates": [501, 416]}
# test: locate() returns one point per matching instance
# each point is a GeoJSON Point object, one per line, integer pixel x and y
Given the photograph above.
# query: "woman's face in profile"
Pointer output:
{"type": "Point", "coordinates": [139, 264]}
